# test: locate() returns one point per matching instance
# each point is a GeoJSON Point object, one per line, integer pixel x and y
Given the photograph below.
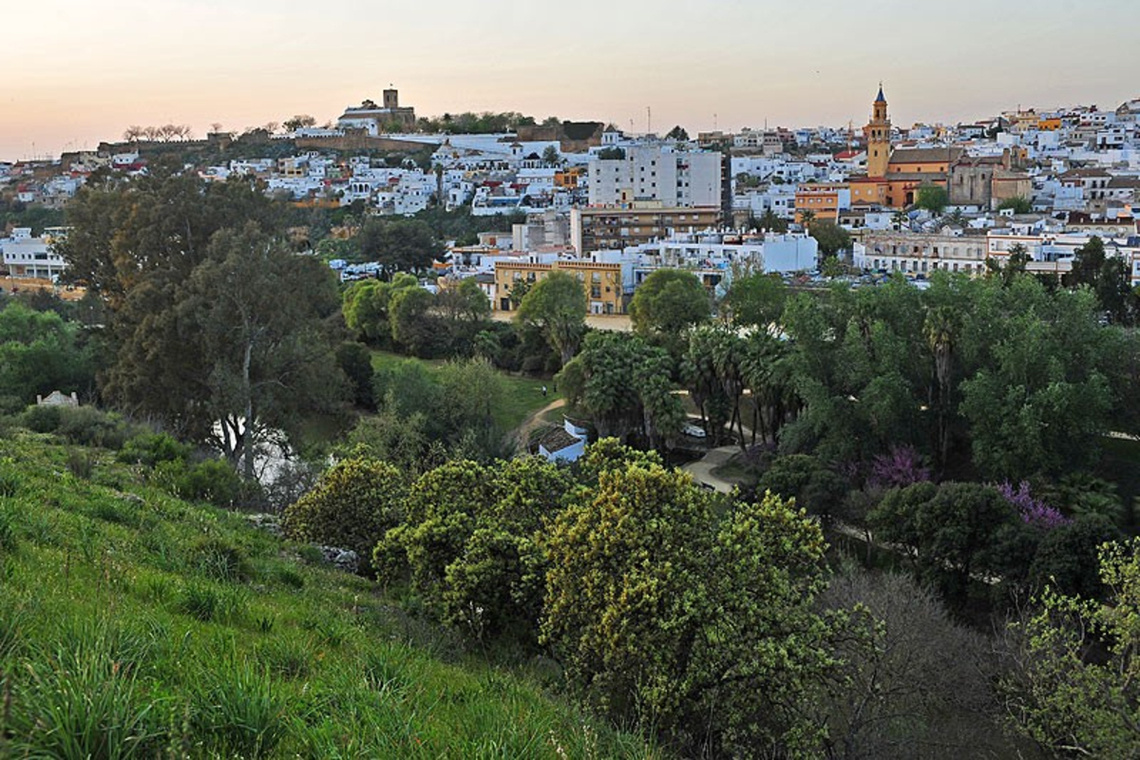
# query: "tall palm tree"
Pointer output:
{"type": "Point", "coordinates": [899, 219]}
{"type": "Point", "coordinates": [940, 330]}
{"type": "Point", "coordinates": [806, 218]}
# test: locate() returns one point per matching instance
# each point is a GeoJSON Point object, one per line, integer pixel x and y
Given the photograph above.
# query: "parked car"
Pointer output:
{"type": "Point", "coordinates": [691, 429]}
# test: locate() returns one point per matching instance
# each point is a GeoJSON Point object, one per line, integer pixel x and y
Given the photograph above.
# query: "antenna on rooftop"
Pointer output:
{"type": "Point", "coordinates": [648, 120]}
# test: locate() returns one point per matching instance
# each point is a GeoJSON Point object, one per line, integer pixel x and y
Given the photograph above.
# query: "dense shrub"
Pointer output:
{"type": "Point", "coordinates": [212, 480]}
{"type": "Point", "coordinates": [88, 426]}
{"type": "Point", "coordinates": [82, 425]}
{"type": "Point", "coordinates": [152, 448]}
{"type": "Point", "coordinates": [353, 505]}
{"type": "Point", "coordinates": [42, 419]}
{"type": "Point", "coordinates": [805, 479]}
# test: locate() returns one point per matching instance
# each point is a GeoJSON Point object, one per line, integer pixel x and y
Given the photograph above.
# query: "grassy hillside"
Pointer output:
{"type": "Point", "coordinates": [133, 624]}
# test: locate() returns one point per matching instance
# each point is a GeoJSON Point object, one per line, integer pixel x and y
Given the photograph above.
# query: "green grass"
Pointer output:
{"type": "Point", "coordinates": [162, 628]}
{"type": "Point", "coordinates": [522, 399]}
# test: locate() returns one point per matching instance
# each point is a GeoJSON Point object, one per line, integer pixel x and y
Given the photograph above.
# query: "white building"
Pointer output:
{"type": "Point", "coordinates": [27, 256]}
{"type": "Point", "coordinates": [656, 173]}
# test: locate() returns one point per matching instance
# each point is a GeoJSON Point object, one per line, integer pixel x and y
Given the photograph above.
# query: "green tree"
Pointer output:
{"type": "Point", "coordinates": [551, 156]}
{"type": "Point", "coordinates": [198, 328]}
{"type": "Point", "coordinates": [932, 198]}
{"type": "Point", "coordinates": [498, 582]}
{"type": "Point", "coordinates": [403, 441]}
{"type": "Point", "coordinates": [154, 229]}
{"type": "Point", "coordinates": [770, 221]}
{"type": "Point", "coordinates": [355, 361]}
{"type": "Point", "coordinates": [1068, 557]}
{"type": "Point", "coordinates": [464, 310]}
{"type": "Point", "coordinates": [40, 353]}
{"type": "Point", "coordinates": [1040, 398]}
{"type": "Point", "coordinates": [952, 530]}
{"type": "Point", "coordinates": [858, 368]}
{"type": "Point", "coordinates": [556, 306]}
{"type": "Point", "coordinates": [413, 328]}
{"type": "Point", "coordinates": [1107, 276]}
{"type": "Point", "coordinates": [703, 630]}
{"type": "Point", "coordinates": [831, 267]}
{"type": "Point", "coordinates": [677, 133]}
{"type": "Point", "coordinates": [756, 300]}
{"type": "Point", "coordinates": [440, 512]}
{"type": "Point", "coordinates": [668, 302]}
{"type": "Point", "coordinates": [1015, 264]}
{"type": "Point", "coordinates": [813, 486]}
{"type": "Point", "coordinates": [1019, 205]}
{"type": "Point", "coordinates": [623, 385]}
{"type": "Point", "coordinates": [1058, 696]}
{"type": "Point", "coordinates": [941, 335]}
{"type": "Point", "coordinates": [831, 237]}
{"type": "Point", "coordinates": [263, 360]}
{"type": "Point", "coordinates": [366, 307]}
{"type": "Point", "coordinates": [402, 245]}
{"type": "Point", "coordinates": [352, 506]}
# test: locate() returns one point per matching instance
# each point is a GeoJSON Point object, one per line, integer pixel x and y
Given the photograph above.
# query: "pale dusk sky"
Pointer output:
{"type": "Point", "coordinates": [74, 72]}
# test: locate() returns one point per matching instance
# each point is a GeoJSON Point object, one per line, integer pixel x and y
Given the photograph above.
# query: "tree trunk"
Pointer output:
{"type": "Point", "coordinates": [248, 391]}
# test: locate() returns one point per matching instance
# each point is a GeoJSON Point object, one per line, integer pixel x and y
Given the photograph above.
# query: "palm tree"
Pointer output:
{"type": "Point", "coordinates": [898, 219]}
{"type": "Point", "coordinates": [940, 337]}
{"type": "Point", "coordinates": [769, 221]}
{"type": "Point", "coordinates": [806, 218]}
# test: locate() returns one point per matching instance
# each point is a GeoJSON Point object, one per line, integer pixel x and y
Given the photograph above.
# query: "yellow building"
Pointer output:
{"type": "Point", "coordinates": [568, 179]}
{"type": "Point", "coordinates": [602, 283]}
{"type": "Point", "coordinates": [878, 133]}
{"type": "Point", "coordinates": [823, 201]}
{"type": "Point", "coordinates": [894, 176]}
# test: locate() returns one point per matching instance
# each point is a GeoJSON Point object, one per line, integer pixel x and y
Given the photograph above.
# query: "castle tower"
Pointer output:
{"type": "Point", "coordinates": [391, 99]}
{"type": "Point", "coordinates": [878, 133]}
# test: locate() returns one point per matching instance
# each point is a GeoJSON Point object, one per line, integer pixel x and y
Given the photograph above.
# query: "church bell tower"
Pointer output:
{"type": "Point", "coordinates": [878, 133]}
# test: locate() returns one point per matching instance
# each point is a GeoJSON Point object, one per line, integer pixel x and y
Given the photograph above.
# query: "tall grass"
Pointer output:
{"type": "Point", "coordinates": [237, 706]}
{"type": "Point", "coordinates": [80, 702]}
{"type": "Point", "coordinates": [135, 625]}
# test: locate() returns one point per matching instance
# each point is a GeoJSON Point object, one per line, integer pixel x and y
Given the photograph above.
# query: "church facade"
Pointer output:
{"type": "Point", "coordinates": [894, 175]}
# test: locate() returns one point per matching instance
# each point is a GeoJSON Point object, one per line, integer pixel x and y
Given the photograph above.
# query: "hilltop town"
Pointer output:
{"type": "Point", "coordinates": [588, 198]}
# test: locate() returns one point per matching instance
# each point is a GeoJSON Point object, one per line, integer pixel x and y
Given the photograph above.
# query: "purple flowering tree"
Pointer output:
{"type": "Point", "coordinates": [1033, 511]}
{"type": "Point", "coordinates": [900, 468]}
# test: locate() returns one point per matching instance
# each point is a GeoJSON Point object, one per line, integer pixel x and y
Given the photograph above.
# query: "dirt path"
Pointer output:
{"type": "Point", "coordinates": [523, 431]}
{"type": "Point", "coordinates": [702, 469]}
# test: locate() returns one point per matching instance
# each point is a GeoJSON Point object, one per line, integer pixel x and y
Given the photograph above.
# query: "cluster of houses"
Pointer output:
{"type": "Point", "coordinates": [610, 206]}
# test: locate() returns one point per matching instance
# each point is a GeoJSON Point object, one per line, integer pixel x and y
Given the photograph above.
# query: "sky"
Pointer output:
{"type": "Point", "coordinates": [75, 72]}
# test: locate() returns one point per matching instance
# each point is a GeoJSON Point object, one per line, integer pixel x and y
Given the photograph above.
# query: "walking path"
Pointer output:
{"type": "Point", "coordinates": [523, 431]}
{"type": "Point", "coordinates": [702, 469]}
